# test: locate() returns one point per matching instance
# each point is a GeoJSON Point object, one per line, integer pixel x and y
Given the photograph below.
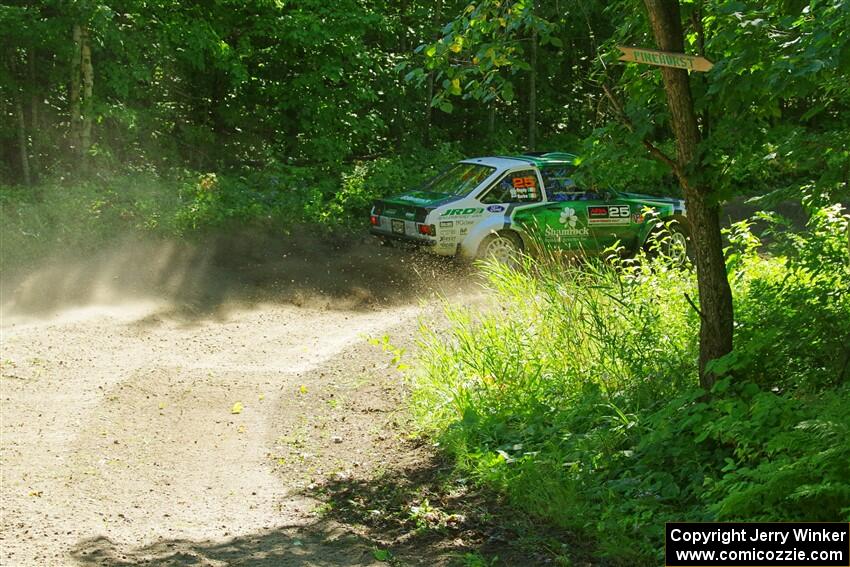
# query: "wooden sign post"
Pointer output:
{"type": "Point", "coordinates": [665, 59]}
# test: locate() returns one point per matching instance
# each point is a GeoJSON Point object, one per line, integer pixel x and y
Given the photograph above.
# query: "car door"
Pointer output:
{"type": "Point", "coordinates": [560, 225]}
{"type": "Point", "coordinates": [610, 222]}
{"type": "Point", "coordinates": [562, 222]}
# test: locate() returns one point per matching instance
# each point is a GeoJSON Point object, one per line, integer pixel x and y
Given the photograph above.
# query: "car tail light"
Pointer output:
{"type": "Point", "coordinates": [374, 220]}
{"type": "Point", "coordinates": [427, 229]}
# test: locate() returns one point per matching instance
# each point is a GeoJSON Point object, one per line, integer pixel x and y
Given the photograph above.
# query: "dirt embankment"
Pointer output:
{"type": "Point", "coordinates": [174, 404]}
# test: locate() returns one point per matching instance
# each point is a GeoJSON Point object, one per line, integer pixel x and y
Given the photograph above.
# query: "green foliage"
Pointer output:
{"type": "Point", "coordinates": [272, 198]}
{"type": "Point", "coordinates": [330, 198]}
{"type": "Point", "coordinates": [384, 555]}
{"type": "Point", "coordinates": [367, 181]}
{"type": "Point", "coordinates": [212, 89]}
{"type": "Point", "coordinates": [572, 393]}
{"type": "Point", "coordinates": [785, 306]}
{"type": "Point", "coordinates": [482, 42]}
{"type": "Point", "coordinates": [772, 110]}
{"type": "Point", "coordinates": [257, 84]}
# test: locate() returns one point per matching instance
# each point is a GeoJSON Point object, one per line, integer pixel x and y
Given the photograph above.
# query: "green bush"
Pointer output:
{"type": "Point", "coordinates": [281, 197]}
{"type": "Point", "coordinates": [85, 216]}
{"type": "Point", "coordinates": [366, 181]}
{"type": "Point", "coordinates": [575, 392]}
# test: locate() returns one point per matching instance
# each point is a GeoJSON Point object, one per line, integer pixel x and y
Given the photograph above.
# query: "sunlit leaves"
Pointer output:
{"type": "Point", "coordinates": [778, 87]}
{"type": "Point", "coordinates": [483, 47]}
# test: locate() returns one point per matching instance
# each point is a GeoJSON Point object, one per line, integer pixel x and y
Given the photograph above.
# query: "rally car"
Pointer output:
{"type": "Point", "coordinates": [498, 206]}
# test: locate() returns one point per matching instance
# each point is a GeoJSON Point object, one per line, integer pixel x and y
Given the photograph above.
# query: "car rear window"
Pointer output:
{"type": "Point", "coordinates": [459, 179]}
{"type": "Point", "coordinates": [560, 185]}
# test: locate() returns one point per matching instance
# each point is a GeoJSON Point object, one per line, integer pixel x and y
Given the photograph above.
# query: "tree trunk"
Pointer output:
{"type": "Point", "coordinates": [532, 93]}
{"type": "Point", "coordinates": [22, 141]}
{"type": "Point", "coordinates": [397, 125]}
{"type": "Point", "coordinates": [429, 110]}
{"type": "Point", "coordinates": [35, 130]}
{"type": "Point", "coordinates": [716, 315]}
{"type": "Point", "coordinates": [88, 101]}
{"type": "Point", "coordinates": [74, 95]}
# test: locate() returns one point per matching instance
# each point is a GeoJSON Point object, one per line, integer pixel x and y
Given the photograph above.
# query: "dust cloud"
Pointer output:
{"type": "Point", "coordinates": [205, 277]}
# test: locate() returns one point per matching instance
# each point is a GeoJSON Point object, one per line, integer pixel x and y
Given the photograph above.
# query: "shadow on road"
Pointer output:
{"type": "Point", "coordinates": [366, 522]}
{"type": "Point", "coordinates": [319, 544]}
{"type": "Point", "coordinates": [412, 516]}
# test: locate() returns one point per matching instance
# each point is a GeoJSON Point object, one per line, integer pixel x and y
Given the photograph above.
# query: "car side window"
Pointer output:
{"type": "Point", "coordinates": [515, 187]}
{"type": "Point", "coordinates": [560, 185]}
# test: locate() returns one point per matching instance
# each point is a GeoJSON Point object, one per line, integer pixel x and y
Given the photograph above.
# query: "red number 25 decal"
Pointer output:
{"type": "Point", "coordinates": [523, 182]}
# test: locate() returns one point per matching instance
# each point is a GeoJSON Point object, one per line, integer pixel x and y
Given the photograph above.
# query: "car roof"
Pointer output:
{"type": "Point", "coordinates": [499, 162]}
{"type": "Point", "coordinates": [535, 158]}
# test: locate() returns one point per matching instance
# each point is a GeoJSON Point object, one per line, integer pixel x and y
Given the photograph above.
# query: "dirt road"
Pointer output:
{"type": "Point", "coordinates": [137, 430]}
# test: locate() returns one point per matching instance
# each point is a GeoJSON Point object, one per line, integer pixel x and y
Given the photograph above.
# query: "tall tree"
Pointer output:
{"type": "Point", "coordinates": [715, 295]}
{"type": "Point", "coordinates": [22, 139]}
{"type": "Point", "coordinates": [88, 101]}
{"type": "Point", "coordinates": [75, 98]}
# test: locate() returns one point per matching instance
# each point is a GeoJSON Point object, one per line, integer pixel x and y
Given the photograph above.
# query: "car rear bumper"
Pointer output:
{"type": "Point", "coordinates": [406, 230]}
{"type": "Point", "coordinates": [406, 238]}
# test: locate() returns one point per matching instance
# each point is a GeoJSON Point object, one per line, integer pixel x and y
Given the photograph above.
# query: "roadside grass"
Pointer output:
{"type": "Point", "coordinates": [574, 394]}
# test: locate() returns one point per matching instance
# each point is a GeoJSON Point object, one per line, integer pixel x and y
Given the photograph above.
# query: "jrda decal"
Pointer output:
{"type": "Point", "coordinates": [469, 211]}
{"type": "Point", "coordinates": [609, 214]}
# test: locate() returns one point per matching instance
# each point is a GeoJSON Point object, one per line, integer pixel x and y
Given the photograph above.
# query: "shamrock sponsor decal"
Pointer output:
{"type": "Point", "coordinates": [568, 216]}
{"type": "Point", "coordinates": [569, 227]}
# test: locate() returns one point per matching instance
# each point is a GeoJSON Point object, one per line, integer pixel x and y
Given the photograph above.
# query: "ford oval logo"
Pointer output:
{"type": "Point", "coordinates": [495, 208]}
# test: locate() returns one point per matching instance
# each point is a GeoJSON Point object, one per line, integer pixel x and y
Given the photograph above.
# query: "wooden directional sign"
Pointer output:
{"type": "Point", "coordinates": [665, 59]}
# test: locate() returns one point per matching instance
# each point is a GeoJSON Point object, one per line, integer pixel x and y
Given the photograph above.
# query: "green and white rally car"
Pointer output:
{"type": "Point", "coordinates": [496, 206]}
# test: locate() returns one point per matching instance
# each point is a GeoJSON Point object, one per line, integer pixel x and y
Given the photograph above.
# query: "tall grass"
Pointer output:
{"type": "Point", "coordinates": [574, 392]}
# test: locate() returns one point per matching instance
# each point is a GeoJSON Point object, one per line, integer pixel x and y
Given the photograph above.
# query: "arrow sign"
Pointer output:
{"type": "Point", "coordinates": [665, 59]}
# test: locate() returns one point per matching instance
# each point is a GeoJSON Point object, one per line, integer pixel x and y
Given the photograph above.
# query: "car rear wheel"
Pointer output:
{"type": "Point", "coordinates": [502, 247]}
